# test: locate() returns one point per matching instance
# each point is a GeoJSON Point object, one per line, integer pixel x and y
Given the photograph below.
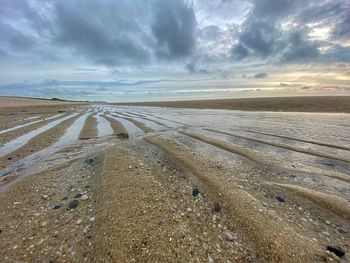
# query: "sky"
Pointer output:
{"type": "Point", "coordinates": [148, 50]}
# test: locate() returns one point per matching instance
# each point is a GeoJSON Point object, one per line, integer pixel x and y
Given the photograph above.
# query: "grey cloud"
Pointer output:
{"type": "Point", "coordinates": [261, 75]}
{"type": "Point", "coordinates": [173, 26]}
{"type": "Point", "coordinates": [337, 53]}
{"type": "Point", "coordinates": [342, 28]}
{"type": "Point", "coordinates": [261, 35]}
{"type": "Point", "coordinates": [111, 37]}
{"type": "Point", "coordinates": [334, 14]}
{"type": "Point", "coordinates": [239, 52]}
{"type": "Point", "coordinates": [13, 39]}
{"type": "Point", "coordinates": [273, 9]}
{"type": "Point", "coordinates": [112, 33]}
{"type": "Point", "coordinates": [298, 49]}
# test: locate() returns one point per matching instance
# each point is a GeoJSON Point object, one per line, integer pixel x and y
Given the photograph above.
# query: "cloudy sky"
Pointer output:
{"type": "Point", "coordinates": [138, 50]}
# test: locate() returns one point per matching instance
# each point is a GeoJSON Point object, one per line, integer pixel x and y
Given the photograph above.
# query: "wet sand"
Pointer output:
{"type": "Point", "coordinates": [292, 104]}
{"type": "Point", "coordinates": [105, 183]}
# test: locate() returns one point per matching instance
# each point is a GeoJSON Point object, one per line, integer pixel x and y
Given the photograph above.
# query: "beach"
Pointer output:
{"type": "Point", "coordinates": [290, 104]}
{"type": "Point", "coordinates": [197, 181]}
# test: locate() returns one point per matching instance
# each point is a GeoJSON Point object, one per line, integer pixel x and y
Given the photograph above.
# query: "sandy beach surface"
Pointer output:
{"type": "Point", "coordinates": [112, 183]}
{"type": "Point", "coordinates": [290, 104]}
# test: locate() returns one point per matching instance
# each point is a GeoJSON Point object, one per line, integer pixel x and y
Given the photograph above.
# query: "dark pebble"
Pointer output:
{"type": "Point", "coordinates": [195, 191]}
{"type": "Point", "coordinates": [78, 195]}
{"type": "Point", "coordinates": [217, 207]}
{"type": "Point", "coordinates": [336, 250]}
{"type": "Point", "coordinates": [10, 158]}
{"type": "Point", "coordinates": [73, 204]}
{"type": "Point", "coordinates": [342, 231]}
{"type": "Point", "coordinates": [89, 161]}
{"type": "Point", "coordinates": [280, 199]}
{"type": "Point", "coordinates": [56, 206]}
{"type": "Point", "coordinates": [123, 135]}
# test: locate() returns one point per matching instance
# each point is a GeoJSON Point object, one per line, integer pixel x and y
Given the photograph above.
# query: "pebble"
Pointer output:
{"type": "Point", "coordinates": [336, 250]}
{"type": "Point", "coordinates": [43, 224]}
{"type": "Point", "coordinates": [78, 195]}
{"type": "Point", "coordinates": [189, 210]}
{"type": "Point", "coordinates": [210, 260]}
{"type": "Point", "coordinates": [340, 230]}
{"type": "Point", "coordinates": [73, 204]}
{"type": "Point", "coordinates": [84, 197]}
{"type": "Point", "coordinates": [217, 207]}
{"type": "Point", "coordinates": [56, 206]}
{"type": "Point", "coordinates": [280, 199]}
{"type": "Point", "coordinates": [79, 221]}
{"type": "Point", "coordinates": [89, 161]}
{"type": "Point", "coordinates": [195, 191]}
{"type": "Point", "coordinates": [91, 219]}
{"type": "Point", "coordinates": [228, 236]}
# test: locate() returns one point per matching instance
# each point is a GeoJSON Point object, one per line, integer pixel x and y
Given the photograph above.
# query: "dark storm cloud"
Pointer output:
{"type": "Point", "coordinates": [259, 37]}
{"type": "Point", "coordinates": [126, 32]}
{"type": "Point", "coordinates": [173, 26]}
{"type": "Point", "coordinates": [106, 32]}
{"type": "Point", "coordinates": [239, 51]}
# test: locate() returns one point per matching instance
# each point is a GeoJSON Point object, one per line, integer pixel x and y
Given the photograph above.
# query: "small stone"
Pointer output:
{"type": "Point", "coordinates": [44, 197]}
{"type": "Point", "coordinates": [327, 222]}
{"type": "Point", "coordinates": [43, 224]}
{"type": "Point", "coordinates": [73, 204]}
{"type": "Point", "coordinates": [280, 199]}
{"type": "Point", "coordinates": [340, 230]}
{"type": "Point", "coordinates": [217, 207]}
{"type": "Point", "coordinates": [195, 191]}
{"type": "Point", "coordinates": [89, 161]}
{"type": "Point", "coordinates": [228, 236]}
{"type": "Point", "coordinates": [84, 197]}
{"type": "Point", "coordinates": [336, 250]}
{"type": "Point", "coordinates": [56, 206]}
{"type": "Point", "coordinates": [91, 219]}
{"type": "Point", "coordinates": [79, 221]}
{"type": "Point", "coordinates": [123, 135]}
{"type": "Point", "coordinates": [210, 260]}
{"type": "Point", "coordinates": [78, 195]}
{"type": "Point", "coordinates": [189, 210]}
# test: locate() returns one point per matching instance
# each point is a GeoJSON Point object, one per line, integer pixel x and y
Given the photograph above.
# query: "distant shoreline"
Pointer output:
{"type": "Point", "coordinates": [339, 104]}
{"type": "Point", "coordinates": [15, 101]}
